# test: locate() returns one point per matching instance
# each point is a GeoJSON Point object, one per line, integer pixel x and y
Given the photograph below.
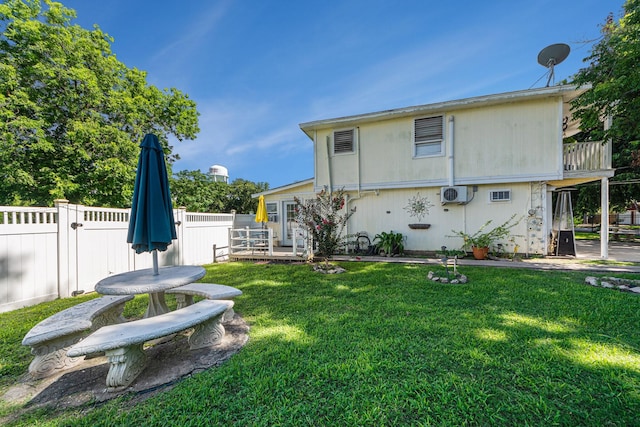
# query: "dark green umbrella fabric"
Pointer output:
{"type": "Point", "coordinates": [151, 225]}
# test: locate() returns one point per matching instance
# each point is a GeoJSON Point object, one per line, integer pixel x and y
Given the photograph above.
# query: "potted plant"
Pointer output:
{"type": "Point", "coordinates": [481, 241]}
{"type": "Point", "coordinates": [390, 243]}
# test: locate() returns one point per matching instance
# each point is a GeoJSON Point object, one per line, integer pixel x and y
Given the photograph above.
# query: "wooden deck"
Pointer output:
{"type": "Point", "coordinates": [284, 254]}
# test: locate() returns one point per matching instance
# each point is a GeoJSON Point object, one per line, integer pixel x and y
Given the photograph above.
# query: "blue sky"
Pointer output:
{"type": "Point", "coordinates": [257, 69]}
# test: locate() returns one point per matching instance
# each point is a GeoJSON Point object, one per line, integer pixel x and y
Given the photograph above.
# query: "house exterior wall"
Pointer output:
{"type": "Point", "coordinates": [509, 142]}
{"type": "Point", "coordinates": [514, 145]}
{"type": "Point", "coordinates": [387, 211]}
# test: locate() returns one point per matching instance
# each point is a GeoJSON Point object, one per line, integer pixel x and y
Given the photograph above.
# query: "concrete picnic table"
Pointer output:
{"type": "Point", "coordinates": [144, 282]}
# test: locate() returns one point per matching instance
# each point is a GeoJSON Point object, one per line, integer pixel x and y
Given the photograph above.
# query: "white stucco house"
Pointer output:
{"type": "Point", "coordinates": [475, 159]}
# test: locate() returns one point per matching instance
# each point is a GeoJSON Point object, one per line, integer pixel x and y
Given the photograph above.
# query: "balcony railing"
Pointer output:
{"type": "Point", "coordinates": [587, 156]}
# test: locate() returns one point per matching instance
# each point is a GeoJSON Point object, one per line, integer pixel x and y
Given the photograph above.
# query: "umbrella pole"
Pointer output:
{"type": "Point", "coordinates": [155, 262]}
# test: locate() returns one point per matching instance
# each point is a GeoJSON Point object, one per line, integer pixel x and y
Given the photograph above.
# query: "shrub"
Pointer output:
{"type": "Point", "coordinates": [484, 239]}
{"type": "Point", "coordinates": [324, 218]}
{"type": "Point", "coordinates": [391, 243]}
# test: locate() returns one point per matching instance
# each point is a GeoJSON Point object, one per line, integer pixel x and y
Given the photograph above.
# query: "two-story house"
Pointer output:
{"type": "Point", "coordinates": [472, 160]}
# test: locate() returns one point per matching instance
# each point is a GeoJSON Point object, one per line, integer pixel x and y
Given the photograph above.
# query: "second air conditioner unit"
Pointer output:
{"type": "Point", "coordinates": [455, 194]}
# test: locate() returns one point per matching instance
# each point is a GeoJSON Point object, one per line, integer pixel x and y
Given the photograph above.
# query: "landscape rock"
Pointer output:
{"type": "Point", "coordinates": [623, 285]}
{"type": "Point", "coordinates": [454, 280]}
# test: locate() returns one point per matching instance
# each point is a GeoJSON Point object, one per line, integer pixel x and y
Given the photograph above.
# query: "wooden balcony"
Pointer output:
{"type": "Point", "coordinates": [581, 157]}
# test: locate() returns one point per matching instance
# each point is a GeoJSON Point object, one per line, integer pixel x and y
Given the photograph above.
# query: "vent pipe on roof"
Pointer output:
{"type": "Point", "coordinates": [451, 175]}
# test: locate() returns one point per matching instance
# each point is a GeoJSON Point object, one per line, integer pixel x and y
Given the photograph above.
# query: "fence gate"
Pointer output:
{"type": "Point", "coordinates": [102, 248]}
{"type": "Point", "coordinates": [95, 244]}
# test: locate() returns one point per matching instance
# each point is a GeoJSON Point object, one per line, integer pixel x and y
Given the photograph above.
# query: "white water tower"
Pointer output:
{"type": "Point", "coordinates": [219, 173]}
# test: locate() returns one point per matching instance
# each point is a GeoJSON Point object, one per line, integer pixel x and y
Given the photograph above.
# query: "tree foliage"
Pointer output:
{"type": "Point", "coordinates": [198, 192]}
{"type": "Point", "coordinates": [239, 197]}
{"type": "Point", "coordinates": [613, 74]}
{"type": "Point", "coordinates": [72, 115]}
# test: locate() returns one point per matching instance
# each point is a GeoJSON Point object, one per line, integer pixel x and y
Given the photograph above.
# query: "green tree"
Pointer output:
{"type": "Point", "coordinates": [613, 74]}
{"type": "Point", "coordinates": [240, 194]}
{"type": "Point", "coordinates": [71, 115]}
{"type": "Point", "coordinates": [198, 192]}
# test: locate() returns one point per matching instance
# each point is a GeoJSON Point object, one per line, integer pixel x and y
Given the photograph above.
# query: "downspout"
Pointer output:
{"type": "Point", "coordinates": [346, 196]}
{"type": "Point", "coordinates": [329, 164]}
{"type": "Point", "coordinates": [451, 140]}
{"type": "Point", "coordinates": [358, 157]}
{"type": "Point", "coordinates": [315, 158]}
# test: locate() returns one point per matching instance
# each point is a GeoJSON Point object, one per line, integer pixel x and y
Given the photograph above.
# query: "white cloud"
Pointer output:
{"type": "Point", "coordinates": [232, 129]}
{"type": "Point", "coordinates": [194, 35]}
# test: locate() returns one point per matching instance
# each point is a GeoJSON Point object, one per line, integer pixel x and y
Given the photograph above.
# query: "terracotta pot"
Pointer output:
{"type": "Point", "coordinates": [480, 253]}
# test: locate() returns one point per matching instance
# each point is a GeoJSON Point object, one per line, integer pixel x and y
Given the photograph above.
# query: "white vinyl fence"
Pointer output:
{"type": "Point", "coordinates": [46, 253]}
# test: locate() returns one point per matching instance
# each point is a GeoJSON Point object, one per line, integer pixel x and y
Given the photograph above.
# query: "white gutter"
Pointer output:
{"type": "Point", "coordinates": [329, 164]}
{"type": "Point", "coordinates": [357, 136]}
{"type": "Point", "coordinates": [451, 163]}
{"type": "Point", "coordinates": [316, 149]}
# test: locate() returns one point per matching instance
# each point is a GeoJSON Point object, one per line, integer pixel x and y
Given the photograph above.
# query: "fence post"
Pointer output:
{"type": "Point", "coordinates": [181, 219]}
{"type": "Point", "coordinates": [64, 273]}
{"type": "Point", "coordinates": [294, 235]}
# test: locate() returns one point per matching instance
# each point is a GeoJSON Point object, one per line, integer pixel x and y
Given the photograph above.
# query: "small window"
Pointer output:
{"type": "Point", "coordinates": [500, 195]}
{"type": "Point", "coordinates": [343, 141]}
{"type": "Point", "coordinates": [429, 135]}
{"type": "Point", "coordinates": [272, 212]}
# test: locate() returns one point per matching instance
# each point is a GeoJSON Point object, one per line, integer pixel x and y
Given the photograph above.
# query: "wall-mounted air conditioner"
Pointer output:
{"type": "Point", "coordinates": [456, 194]}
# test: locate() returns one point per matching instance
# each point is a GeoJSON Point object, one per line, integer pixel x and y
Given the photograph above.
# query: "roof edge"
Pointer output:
{"type": "Point", "coordinates": [445, 105]}
{"type": "Point", "coordinates": [284, 187]}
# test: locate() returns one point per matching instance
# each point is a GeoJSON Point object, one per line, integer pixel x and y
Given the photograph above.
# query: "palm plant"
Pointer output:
{"type": "Point", "coordinates": [391, 243]}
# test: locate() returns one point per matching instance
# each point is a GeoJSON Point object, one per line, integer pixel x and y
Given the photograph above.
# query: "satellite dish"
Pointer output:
{"type": "Point", "coordinates": [552, 55]}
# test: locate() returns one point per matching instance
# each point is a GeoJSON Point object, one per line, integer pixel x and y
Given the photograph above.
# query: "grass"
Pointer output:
{"type": "Point", "coordinates": [381, 345]}
{"type": "Point", "coordinates": [587, 235]}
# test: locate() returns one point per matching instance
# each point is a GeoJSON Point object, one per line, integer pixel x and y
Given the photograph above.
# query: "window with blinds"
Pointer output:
{"type": "Point", "coordinates": [428, 136]}
{"type": "Point", "coordinates": [343, 141]}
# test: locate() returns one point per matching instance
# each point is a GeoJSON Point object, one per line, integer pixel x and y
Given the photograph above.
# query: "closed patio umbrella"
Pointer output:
{"type": "Point", "coordinates": [262, 217]}
{"type": "Point", "coordinates": [261, 213]}
{"type": "Point", "coordinates": [151, 224]}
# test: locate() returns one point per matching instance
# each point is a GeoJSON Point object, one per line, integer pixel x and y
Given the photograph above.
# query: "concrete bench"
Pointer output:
{"type": "Point", "coordinates": [628, 234]}
{"type": "Point", "coordinates": [50, 339]}
{"type": "Point", "coordinates": [123, 343]}
{"type": "Point", "coordinates": [184, 295]}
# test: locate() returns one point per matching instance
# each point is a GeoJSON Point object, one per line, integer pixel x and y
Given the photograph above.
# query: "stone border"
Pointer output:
{"type": "Point", "coordinates": [624, 285]}
{"type": "Point", "coordinates": [457, 278]}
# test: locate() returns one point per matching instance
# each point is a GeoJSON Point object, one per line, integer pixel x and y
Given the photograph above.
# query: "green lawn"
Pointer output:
{"type": "Point", "coordinates": [381, 345]}
{"type": "Point", "coordinates": [587, 235]}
